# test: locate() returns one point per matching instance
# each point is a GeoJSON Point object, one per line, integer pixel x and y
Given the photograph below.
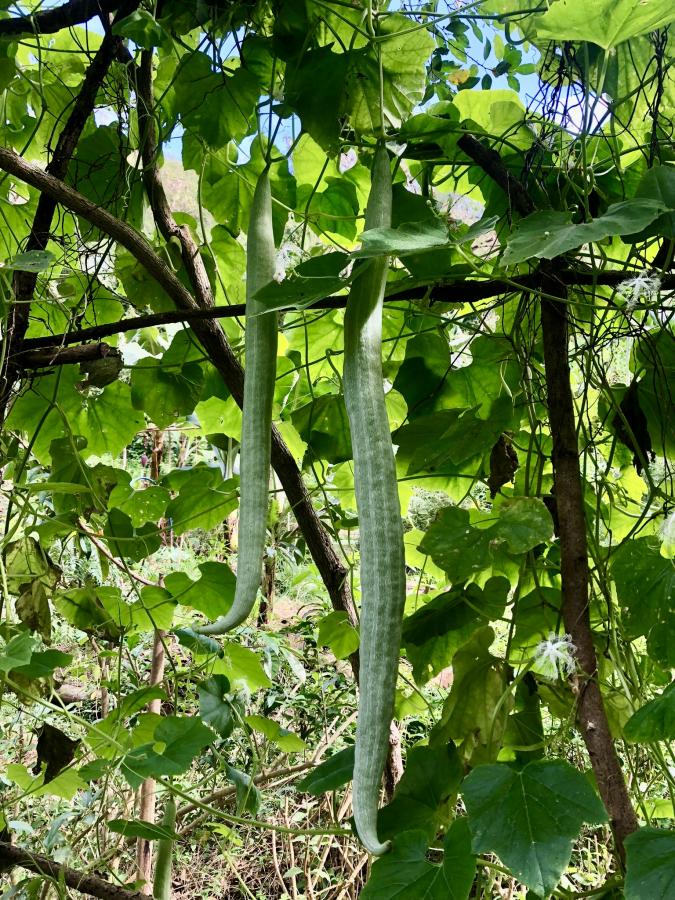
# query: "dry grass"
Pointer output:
{"type": "Point", "coordinates": [275, 865]}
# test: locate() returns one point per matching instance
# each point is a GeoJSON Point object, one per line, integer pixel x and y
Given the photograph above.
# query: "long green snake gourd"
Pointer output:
{"type": "Point", "coordinates": [382, 557]}
{"type": "Point", "coordinates": [256, 429]}
{"type": "Point", "coordinates": [164, 862]}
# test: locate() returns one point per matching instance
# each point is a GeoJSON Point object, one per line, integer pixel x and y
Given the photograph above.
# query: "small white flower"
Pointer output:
{"type": "Point", "coordinates": [554, 657]}
{"type": "Point", "coordinates": [642, 287]}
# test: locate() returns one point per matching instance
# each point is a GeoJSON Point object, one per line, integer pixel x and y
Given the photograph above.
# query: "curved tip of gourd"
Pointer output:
{"type": "Point", "coordinates": [373, 844]}
{"type": "Point", "coordinates": [220, 626]}
{"type": "Point", "coordinates": [367, 832]}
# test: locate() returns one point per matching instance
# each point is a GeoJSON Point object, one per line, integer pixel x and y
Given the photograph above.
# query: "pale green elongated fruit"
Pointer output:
{"type": "Point", "coordinates": [256, 426]}
{"type": "Point", "coordinates": [380, 526]}
{"type": "Point", "coordinates": [161, 888]}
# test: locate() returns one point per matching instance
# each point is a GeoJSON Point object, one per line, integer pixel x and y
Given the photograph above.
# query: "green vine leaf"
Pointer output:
{"type": "Point", "coordinates": [142, 29]}
{"type": "Point", "coordinates": [413, 238]}
{"type": "Point", "coordinates": [105, 419]}
{"type": "Point", "coordinates": [645, 584]}
{"type": "Point", "coordinates": [211, 594]}
{"type": "Point", "coordinates": [650, 864]}
{"type": "Point", "coordinates": [136, 828]}
{"type": "Point", "coordinates": [548, 234]}
{"type": "Point", "coordinates": [182, 737]}
{"type": "Point", "coordinates": [215, 708]}
{"type": "Point", "coordinates": [607, 23]}
{"type": "Point", "coordinates": [545, 805]}
{"type": "Point", "coordinates": [17, 652]}
{"type": "Point", "coordinates": [655, 721]}
{"type": "Point", "coordinates": [332, 774]}
{"type": "Point", "coordinates": [425, 795]}
{"type": "Point", "coordinates": [242, 667]}
{"type": "Point", "coordinates": [282, 737]}
{"type": "Point", "coordinates": [30, 261]}
{"type": "Point", "coordinates": [402, 55]}
{"type": "Point", "coordinates": [204, 501]}
{"type": "Point", "coordinates": [165, 394]}
{"type": "Point", "coordinates": [405, 873]}
{"type": "Point", "coordinates": [43, 663]}
{"type": "Point", "coordinates": [476, 710]}
{"type": "Point", "coordinates": [337, 632]}
{"type": "Point", "coordinates": [433, 633]}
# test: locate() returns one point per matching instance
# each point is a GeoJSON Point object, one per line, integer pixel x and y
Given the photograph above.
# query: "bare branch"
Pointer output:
{"type": "Point", "coordinates": [62, 356]}
{"type": "Point", "coordinates": [444, 292]}
{"type": "Point", "coordinates": [11, 856]}
{"type": "Point", "coordinates": [124, 234]}
{"type": "Point", "coordinates": [49, 21]}
{"type": "Point", "coordinates": [491, 163]}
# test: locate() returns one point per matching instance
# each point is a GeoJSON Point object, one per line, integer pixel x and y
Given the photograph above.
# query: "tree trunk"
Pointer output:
{"type": "Point", "coordinates": [267, 589]}
{"type": "Point", "coordinates": [147, 796]}
{"type": "Point", "coordinates": [591, 715]}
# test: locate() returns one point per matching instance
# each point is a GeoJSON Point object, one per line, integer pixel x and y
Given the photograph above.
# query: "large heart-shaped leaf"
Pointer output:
{"type": "Point", "coordinates": [545, 804]}
{"type": "Point", "coordinates": [180, 737]}
{"type": "Point", "coordinates": [425, 794]}
{"type": "Point", "coordinates": [603, 22]}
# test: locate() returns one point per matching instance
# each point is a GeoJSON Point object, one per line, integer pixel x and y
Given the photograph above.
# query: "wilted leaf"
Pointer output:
{"type": "Point", "coordinates": [503, 464]}
{"type": "Point", "coordinates": [55, 751]}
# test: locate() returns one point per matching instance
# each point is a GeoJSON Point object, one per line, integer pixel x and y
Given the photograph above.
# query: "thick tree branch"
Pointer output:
{"type": "Point", "coordinates": [11, 856]}
{"type": "Point", "coordinates": [444, 292]}
{"type": "Point", "coordinates": [491, 163]}
{"type": "Point", "coordinates": [568, 488]}
{"type": "Point", "coordinates": [24, 282]}
{"type": "Point", "coordinates": [122, 233]}
{"type": "Point", "coordinates": [62, 356]}
{"type": "Point", "coordinates": [49, 21]}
